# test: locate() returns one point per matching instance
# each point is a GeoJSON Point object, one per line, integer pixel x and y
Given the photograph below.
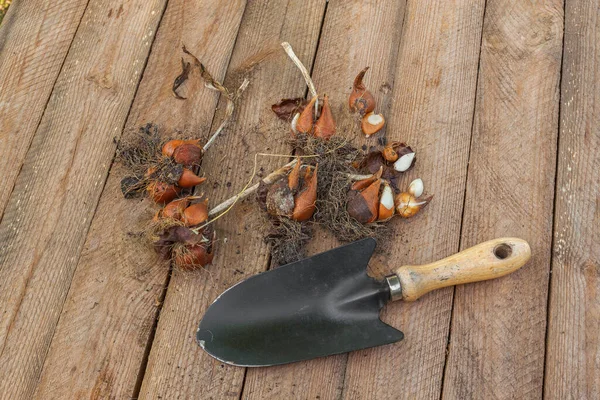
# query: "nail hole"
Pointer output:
{"type": "Point", "coordinates": [502, 251]}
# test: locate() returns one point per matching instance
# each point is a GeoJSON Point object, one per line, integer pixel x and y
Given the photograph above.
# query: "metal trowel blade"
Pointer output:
{"type": "Point", "coordinates": [323, 305]}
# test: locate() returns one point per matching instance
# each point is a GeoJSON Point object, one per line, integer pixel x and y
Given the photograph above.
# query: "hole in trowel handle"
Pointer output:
{"type": "Point", "coordinates": [502, 251]}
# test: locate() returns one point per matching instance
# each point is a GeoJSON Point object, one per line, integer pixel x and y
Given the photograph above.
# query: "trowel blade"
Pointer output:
{"type": "Point", "coordinates": [323, 305]}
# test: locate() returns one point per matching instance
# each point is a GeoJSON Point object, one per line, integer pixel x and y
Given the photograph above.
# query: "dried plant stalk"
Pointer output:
{"type": "Point", "coordinates": [311, 86]}
{"type": "Point", "coordinates": [213, 84]}
{"type": "Point", "coordinates": [272, 177]}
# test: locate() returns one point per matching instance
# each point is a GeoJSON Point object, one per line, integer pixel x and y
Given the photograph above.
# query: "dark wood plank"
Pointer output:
{"type": "Point", "coordinates": [432, 109]}
{"type": "Point", "coordinates": [34, 39]}
{"type": "Point", "coordinates": [57, 191]}
{"type": "Point", "coordinates": [498, 328]}
{"type": "Point", "coordinates": [355, 34]}
{"type": "Point", "coordinates": [573, 348]}
{"type": "Point", "coordinates": [177, 366]}
{"type": "Point", "coordinates": [105, 327]}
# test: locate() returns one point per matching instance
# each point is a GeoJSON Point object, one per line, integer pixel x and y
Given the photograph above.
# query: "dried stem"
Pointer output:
{"type": "Point", "coordinates": [224, 207]}
{"type": "Point", "coordinates": [356, 177]}
{"type": "Point", "coordinates": [213, 84]}
{"type": "Point", "coordinates": [245, 193]}
{"type": "Point", "coordinates": [228, 113]}
{"type": "Point", "coordinates": [311, 86]}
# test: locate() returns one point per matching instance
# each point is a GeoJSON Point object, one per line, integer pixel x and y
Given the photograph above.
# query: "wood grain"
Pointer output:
{"type": "Point", "coordinates": [355, 34]}
{"type": "Point", "coordinates": [573, 342]}
{"type": "Point", "coordinates": [496, 348]}
{"type": "Point", "coordinates": [56, 193]}
{"type": "Point", "coordinates": [488, 260]}
{"type": "Point", "coordinates": [177, 366]}
{"type": "Point", "coordinates": [106, 325]}
{"type": "Point", "coordinates": [34, 40]}
{"type": "Point", "coordinates": [432, 109]}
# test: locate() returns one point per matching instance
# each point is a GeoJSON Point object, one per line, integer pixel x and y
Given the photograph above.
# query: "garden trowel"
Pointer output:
{"type": "Point", "coordinates": [327, 304]}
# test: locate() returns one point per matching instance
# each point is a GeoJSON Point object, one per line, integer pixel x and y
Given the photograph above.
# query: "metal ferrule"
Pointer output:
{"type": "Point", "coordinates": [395, 288]}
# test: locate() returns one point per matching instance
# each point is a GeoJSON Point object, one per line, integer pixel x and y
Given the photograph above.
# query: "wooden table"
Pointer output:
{"type": "Point", "coordinates": [499, 98]}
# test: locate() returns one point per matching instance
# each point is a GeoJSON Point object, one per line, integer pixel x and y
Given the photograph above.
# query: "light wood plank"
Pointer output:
{"type": "Point", "coordinates": [177, 366]}
{"type": "Point", "coordinates": [573, 348]}
{"type": "Point", "coordinates": [34, 39]}
{"type": "Point", "coordinates": [355, 34]}
{"type": "Point", "coordinates": [55, 196]}
{"type": "Point", "coordinates": [106, 325]}
{"type": "Point", "coordinates": [432, 109]}
{"type": "Point", "coordinates": [496, 348]}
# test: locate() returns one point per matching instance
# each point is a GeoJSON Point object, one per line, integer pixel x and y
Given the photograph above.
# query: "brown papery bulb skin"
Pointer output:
{"type": "Point", "coordinates": [169, 147]}
{"type": "Point", "coordinates": [364, 205]}
{"type": "Point", "coordinates": [189, 179]}
{"type": "Point", "coordinates": [386, 203]}
{"type": "Point", "coordinates": [325, 125]}
{"type": "Point", "coordinates": [389, 153]}
{"type": "Point", "coordinates": [192, 257]}
{"type": "Point", "coordinates": [294, 176]}
{"type": "Point", "coordinates": [361, 100]}
{"type": "Point", "coordinates": [372, 123]}
{"type": "Point", "coordinates": [174, 209]}
{"type": "Point", "coordinates": [195, 214]}
{"type": "Point", "coordinates": [408, 206]}
{"type": "Point", "coordinates": [162, 192]}
{"type": "Point", "coordinates": [365, 183]}
{"type": "Point", "coordinates": [189, 155]}
{"type": "Point", "coordinates": [305, 202]}
{"type": "Point", "coordinates": [306, 120]}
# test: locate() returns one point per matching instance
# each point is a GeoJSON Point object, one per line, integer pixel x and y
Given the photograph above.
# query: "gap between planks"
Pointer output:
{"type": "Point", "coordinates": [462, 217]}
{"type": "Point", "coordinates": [552, 241]}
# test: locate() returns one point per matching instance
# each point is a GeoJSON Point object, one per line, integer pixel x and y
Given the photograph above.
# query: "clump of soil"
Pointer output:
{"type": "Point", "coordinates": [335, 159]}
{"type": "Point", "coordinates": [287, 239]}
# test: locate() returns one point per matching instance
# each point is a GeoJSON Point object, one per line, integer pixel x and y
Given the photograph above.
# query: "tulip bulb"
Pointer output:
{"type": "Point", "coordinates": [169, 147]}
{"type": "Point", "coordinates": [408, 206]}
{"type": "Point", "coordinates": [294, 176]}
{"type": "Point", "coordinates": [404, 162]}
{"type": "Point", "coordinates": [363, 204]}
{"type": "Point", "coordinates": [386, 203]}
{"type": "Point", "coordinates": [189, 179]}
{"type": "Point", "coordinates": [196, 214]}
{"type": "Point", "coordinates": [325, 125]}
{"type": "Point", "coordinates": [361, 100]}
{"type": "Point", "coordinates": [306, 118]}
{"type": "Point", "coordinates": [188, 154]}
{"type": "Point", "coordinates": [162, 192]}
{"type": "Point", "coordinates": [364, 183]}
{"type": "Point", "coordinates": [372, 123]}
{"type": "Point", "coordinates": [389, 153]}
{"type": "Point", "coordinates": [294, 123]}
{"type": "Point", "coordinates": [305, 201]}
{"type": "Point", "coordinates": [190, 257]}
{"type": "Point", "coordinates": [194, 257]}
{"type": "Point", "coordinates": [174, 209]}
{"type": "Point", "coordinates": [416, 187]}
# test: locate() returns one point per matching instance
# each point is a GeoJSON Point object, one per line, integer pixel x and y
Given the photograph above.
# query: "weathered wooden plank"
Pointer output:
{"type": "Point", "coordinates": [177, 367]}
{"type": "Point", "coordinates": [34, 40]}
{"type": "Point", "coordinates": [105, 327]}
{"type": "Point", "coordinates": [55, 196]}
{"type": "Point", "coordinates": [432, 109]}
{"type": "Point", "coordinates": [573, 348]}
{"type": "Point", "coordinates": [355, 34]}
{"type": "Point", "coordinates": [496, 348]}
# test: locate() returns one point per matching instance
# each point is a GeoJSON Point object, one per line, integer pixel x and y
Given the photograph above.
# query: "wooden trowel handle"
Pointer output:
{"type": "Point", "coordinates": [485, 261]}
